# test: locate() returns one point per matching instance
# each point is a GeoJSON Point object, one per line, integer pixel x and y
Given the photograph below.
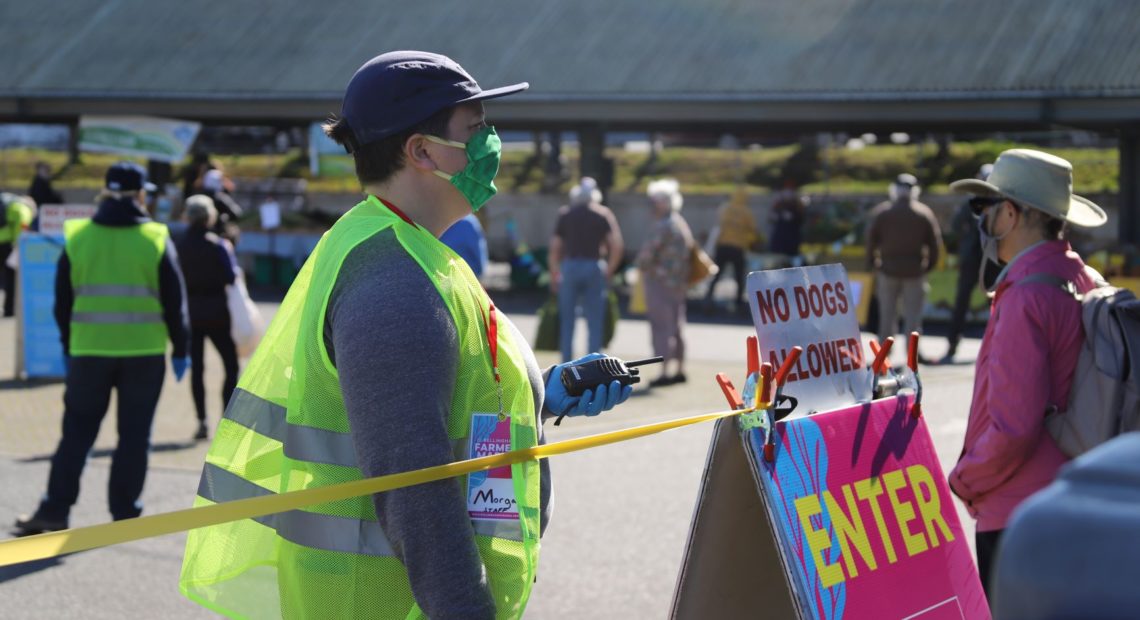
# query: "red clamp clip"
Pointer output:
{"type": "Point", "coordinates": [880, 367]}
{"type": "Point", "coordinates": [730, 393]}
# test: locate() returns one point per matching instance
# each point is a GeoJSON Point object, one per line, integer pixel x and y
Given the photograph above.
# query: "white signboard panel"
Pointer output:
{"type": "Point", "coordinates": [52, 217]}
{"type": "Point", "coordinates": [814, 308]}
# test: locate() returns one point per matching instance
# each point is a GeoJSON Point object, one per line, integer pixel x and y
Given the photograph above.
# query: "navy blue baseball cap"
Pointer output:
{"type": "Point", "coordinates": [125, 176]}
{"type": "Point", "coordinates": [396, 90]}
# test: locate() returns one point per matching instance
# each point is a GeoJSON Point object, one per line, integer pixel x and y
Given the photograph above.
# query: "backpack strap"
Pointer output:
{"type": "Point", "coordinates": [1097, 279]}
{"type": "Point", "coordinates": [1067, 286]}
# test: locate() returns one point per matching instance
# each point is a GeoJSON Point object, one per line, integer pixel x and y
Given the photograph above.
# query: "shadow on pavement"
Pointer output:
{"type": "Point", "coordinates": [15, 571]}
{"type": "Point", "coordinates": [106, 452]}
{"type": "Point", "coordinates": [22, 384]}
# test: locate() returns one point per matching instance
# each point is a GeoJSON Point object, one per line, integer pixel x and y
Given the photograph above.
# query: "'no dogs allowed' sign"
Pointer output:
{"type": "Point", "coordinates": [814, 308]}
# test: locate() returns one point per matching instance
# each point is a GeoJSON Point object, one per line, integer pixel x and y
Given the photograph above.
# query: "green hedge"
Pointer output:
{"type": "Point", "coordinates": [700, 170]}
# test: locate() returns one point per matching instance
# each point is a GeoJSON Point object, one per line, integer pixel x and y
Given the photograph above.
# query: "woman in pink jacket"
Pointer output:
{"type": "Point", "coordinates": [1030, 348]}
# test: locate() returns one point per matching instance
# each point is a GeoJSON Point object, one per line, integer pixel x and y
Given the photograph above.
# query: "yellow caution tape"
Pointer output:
{"type": "Point", "coordinates": [53, 544]}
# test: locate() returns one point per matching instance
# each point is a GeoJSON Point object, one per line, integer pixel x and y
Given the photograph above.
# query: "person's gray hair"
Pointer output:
{"type": "Point", "coordinates": [200, 211]}
{"type": "Point", "coordinates": [585, 192]}
{"type": "Point", "coordinates": [666, 189]}
{"type": "Point", "coordinates": [897, 191]}
{"type": "Point", "coordinates": [133, 194]}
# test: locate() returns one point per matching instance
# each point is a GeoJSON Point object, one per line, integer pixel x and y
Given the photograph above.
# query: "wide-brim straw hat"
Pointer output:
{"type": "Point", "coordinates": [1038, 180]}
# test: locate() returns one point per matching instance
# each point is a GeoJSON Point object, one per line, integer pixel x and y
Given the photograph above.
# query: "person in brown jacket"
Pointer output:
{"type": "Point", "coordinates": [903, 243]}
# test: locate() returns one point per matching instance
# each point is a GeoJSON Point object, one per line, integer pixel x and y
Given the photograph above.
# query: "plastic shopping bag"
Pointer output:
{"type": "Point", "coordinates": [246, 325]}
{"type": "Point", "coordinates": [548, 335]}
{"type": "Point", "coordinates": [637, 295]}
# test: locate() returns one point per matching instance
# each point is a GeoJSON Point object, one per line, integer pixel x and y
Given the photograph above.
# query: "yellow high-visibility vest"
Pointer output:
{"type": "Point", "coordinates": [117, 310]}
{"type": "Point", "coordinates": [286, 428]}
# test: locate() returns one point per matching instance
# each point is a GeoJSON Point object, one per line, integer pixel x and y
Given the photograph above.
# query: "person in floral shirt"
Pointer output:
{"type": "Point", "coordinates": [664, 265]}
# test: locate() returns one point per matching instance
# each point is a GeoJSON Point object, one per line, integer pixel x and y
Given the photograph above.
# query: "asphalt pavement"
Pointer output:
{"type": "Point", "coordinates": [621, 512]}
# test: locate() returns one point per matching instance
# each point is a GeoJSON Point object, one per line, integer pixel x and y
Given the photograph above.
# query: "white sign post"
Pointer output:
{"type": "Point", "coordinates": [52, 217]}
{"type": "Point", "coordinates": [270, 214]}
{"type": "Point", "coordinates": [813, 308]}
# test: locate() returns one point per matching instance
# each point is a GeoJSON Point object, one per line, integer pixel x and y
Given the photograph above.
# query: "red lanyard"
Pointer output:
{"type": "Point", "coordinates": [396, 210]}
{"type": "Point", "coordinates": [492, 323]}
{"type": "Point", "coordinates": [493, 345]}
{"type": "Point", "coordinates": [493, 341]}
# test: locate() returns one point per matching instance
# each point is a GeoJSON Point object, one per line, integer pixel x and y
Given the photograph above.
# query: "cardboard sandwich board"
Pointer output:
{"type": "Point", "coordinates": [852, 519]}
{"type": "Point", "coordinates": [852, 516]}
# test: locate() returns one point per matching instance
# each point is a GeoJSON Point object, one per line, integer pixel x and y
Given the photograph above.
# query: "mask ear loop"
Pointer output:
{"type": "Point", "coordinates": [445, 142]}
{"type": "Point", "coordinates": [1016, 209]}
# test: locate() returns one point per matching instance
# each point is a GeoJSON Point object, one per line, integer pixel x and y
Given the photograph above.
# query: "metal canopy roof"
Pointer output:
{"type": "Point", "coordinates": [659, 63]}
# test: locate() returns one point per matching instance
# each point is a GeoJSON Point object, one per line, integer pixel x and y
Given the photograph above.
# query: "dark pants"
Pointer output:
{"type": "Point", "coordinates": [224, 343]}
{"type": "Point", "coordinates": [9, 277]}
{"type": "Point", "coordinates": [138, 381]}
{"type": "Point", "coordinates": [729, 255]}
{"type": "Point", "coordinates": [987, 544]}
{"type": "Point", "coordinates": [967, 282]}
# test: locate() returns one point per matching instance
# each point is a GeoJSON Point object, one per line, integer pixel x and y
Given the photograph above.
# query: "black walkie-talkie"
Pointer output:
{"type": "Point", "coordinates": [589, 375]}
{"type": "Point", "coordinates": [603, 371]}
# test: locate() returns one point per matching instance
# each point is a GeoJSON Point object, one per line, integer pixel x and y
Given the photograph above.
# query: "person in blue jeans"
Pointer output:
{"type": "Point", "coordinates": [585, 252]}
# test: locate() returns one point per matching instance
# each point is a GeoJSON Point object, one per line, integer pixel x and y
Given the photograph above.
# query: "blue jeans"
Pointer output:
{"type": "Point", "coordinates": [583, 284]}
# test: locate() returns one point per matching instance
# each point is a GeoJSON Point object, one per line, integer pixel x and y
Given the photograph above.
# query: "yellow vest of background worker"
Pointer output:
{"type": "Point", "coordinates": [286, 428]}
{"type": "Point", "coordinates": [16, 217]}
{"type": "Point", "coordinates": [114, 272]}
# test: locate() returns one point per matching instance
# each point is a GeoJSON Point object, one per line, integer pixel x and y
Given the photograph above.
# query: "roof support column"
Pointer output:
{"type": "Point", "coordinates": [1129, 231]}
{"type": "Point", "coordinates": [73, 143]}
{"type": "Point", "coordinates": [592, 162]}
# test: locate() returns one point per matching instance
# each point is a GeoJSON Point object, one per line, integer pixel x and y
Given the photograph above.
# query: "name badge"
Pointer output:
{"type": "Point", "coordinates": [491, 493]}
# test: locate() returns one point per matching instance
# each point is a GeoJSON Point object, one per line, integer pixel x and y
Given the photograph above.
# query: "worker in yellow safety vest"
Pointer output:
{"type": "Point", "coordinates": [16, 215]}
{"type": "Point", "coordinates": [387, 356]}
{"type": "Point", "coordinates": [119, 296]}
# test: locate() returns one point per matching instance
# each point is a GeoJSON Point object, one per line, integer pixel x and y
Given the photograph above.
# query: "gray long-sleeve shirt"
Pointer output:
{"type": "Point", "coordinates": [396, 349]}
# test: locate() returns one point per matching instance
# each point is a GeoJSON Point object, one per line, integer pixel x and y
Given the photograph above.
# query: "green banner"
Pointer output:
{"type": "Point", "coordinates": [137, 136]}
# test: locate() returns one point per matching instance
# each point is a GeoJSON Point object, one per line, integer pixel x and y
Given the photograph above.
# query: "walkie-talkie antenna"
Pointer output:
{"type": "Point", "coordinates": [648, 360]}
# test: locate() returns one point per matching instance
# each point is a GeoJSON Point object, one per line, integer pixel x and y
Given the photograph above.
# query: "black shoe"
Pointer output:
{"type": "Point", "coordinates": [678, 378]}
{"type": "Point", "coordinates": [202, 432]}
{"type": "Point", "coordinates": [661, 382]}
{"type": "Point", "coordinates": [27, 526]}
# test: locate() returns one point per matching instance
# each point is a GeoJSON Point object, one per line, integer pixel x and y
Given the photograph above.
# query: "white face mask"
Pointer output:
{"type": "Point", "coordinates": [990, 249]}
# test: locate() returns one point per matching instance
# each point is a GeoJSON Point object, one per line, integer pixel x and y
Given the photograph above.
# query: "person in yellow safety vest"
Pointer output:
{"type": "Point", "coordinates": [119, 297]}
{"type": "Point", "coordinates": [16, 214]}
{"type": "Point", "coordinates": [388, 356]}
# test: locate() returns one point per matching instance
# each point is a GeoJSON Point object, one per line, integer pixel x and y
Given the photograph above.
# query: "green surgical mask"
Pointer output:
{"type": "Point", "coordinates": [477, 179]}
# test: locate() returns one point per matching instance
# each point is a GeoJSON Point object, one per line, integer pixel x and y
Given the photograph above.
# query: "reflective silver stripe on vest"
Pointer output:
{"type": "Point", "coordinates": [309, 529]}
{"type": "Point", "coordinates": [321, 531]}
{"type": "Point", "coordinates": [115, 290]}
{"type": "Point", "coordinates": [509, 529]}
{"type": "Point", "coordinates": [116, 318]}
{"type": "Point", "coordinates": [302, 443]}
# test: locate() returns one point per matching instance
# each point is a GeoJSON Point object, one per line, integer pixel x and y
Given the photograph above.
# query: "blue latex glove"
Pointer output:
{"type": "Point", "coordinates": [179, 364]}
{"type": "Point", "coordinates": [591, 402]}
